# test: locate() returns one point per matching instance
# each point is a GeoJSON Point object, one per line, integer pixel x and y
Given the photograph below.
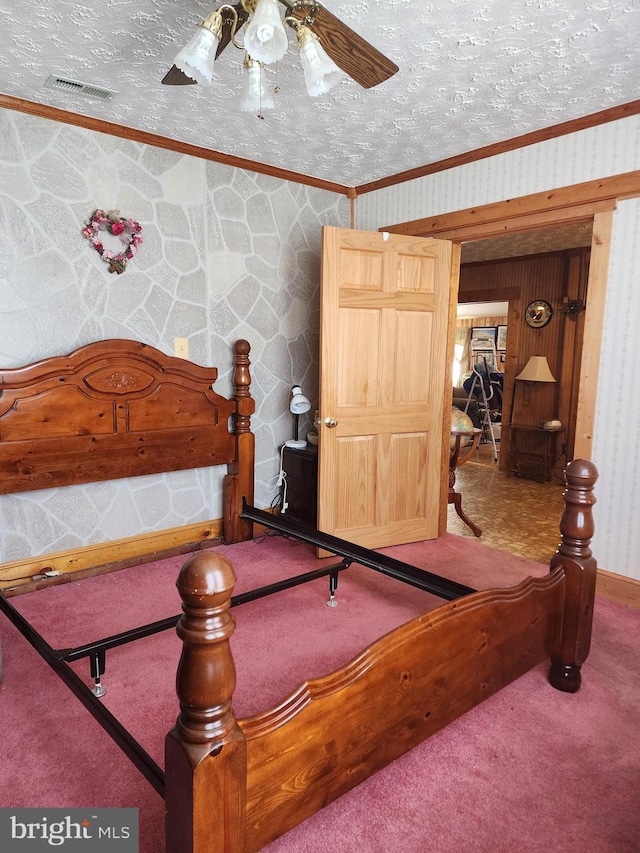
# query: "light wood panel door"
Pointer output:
{"type": "Point", "coordinates": [383, 363]}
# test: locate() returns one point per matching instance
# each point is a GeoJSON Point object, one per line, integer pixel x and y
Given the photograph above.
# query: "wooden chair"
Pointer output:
{"type": "Point", "coordinates": [460, 455]}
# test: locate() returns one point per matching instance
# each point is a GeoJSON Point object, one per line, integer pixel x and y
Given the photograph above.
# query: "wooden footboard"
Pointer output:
{"type": "Point", "coordinates": [334, 732]}
{"type": "Point", "coordinates": [234, 786]}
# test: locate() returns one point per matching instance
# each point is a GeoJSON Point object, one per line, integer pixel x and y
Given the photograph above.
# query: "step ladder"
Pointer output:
{"type": "Point", "coordinates": [482, 390]}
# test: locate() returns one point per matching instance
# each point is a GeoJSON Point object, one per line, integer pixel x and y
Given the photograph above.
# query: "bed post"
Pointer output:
{"type": "Point", "coordinates": [574, 555]}
{"type": "Point", "coordinates": [205, 753]}
{"type": "Point", "coordinates": [239, 481]}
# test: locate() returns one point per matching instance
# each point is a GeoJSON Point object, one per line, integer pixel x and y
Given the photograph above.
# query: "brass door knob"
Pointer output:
{"type": "Point", "coordinates": [330, 422]}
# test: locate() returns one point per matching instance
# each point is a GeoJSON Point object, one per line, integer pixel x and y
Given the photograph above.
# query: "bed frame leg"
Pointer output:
{"type": "Point", "coordinates": [98, 662]}
{"type": "Point", "coordinates": [205, 753]}
{"type": "Point", "coordinates": [574, 555]}
{"type": "Point", "coordinates": [333, 586]}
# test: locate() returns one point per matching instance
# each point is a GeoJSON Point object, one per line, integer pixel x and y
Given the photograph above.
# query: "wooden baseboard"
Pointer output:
{"type": "Point", "coordinates": [50, 569]}
{"type": "Point", "coordinates": [34, 572]}
{"type": "Point", "coordinates": [29, 574]}
{"type": "Point", "coordinates": [618, 588]}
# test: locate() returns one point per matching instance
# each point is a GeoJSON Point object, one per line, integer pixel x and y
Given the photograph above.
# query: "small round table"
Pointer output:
{"type": "Point", "coordinates": [456, 459]}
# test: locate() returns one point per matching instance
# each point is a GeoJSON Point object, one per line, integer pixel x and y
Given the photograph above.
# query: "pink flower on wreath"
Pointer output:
{"type": "Point", "coordinates": [117, 228]}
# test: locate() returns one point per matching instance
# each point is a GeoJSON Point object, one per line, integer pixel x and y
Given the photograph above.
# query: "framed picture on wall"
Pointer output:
{"type": "Point", "coordinates": [483, 338]}
{"type": "Point", "coordinates": [501, 342]}
{"type": "Point", "coordinates": [485, 359]}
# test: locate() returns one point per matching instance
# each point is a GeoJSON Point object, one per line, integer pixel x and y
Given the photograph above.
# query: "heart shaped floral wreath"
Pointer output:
{"type": "Point", "coordinates": [128, 230]}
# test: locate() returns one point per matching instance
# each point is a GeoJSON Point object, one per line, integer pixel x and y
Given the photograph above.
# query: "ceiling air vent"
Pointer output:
{"type": "Point", "coordinates": [55, 82]}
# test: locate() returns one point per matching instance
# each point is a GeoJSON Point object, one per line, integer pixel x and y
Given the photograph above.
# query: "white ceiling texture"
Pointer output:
{"type": "Point", "coordinates": [472, 73]}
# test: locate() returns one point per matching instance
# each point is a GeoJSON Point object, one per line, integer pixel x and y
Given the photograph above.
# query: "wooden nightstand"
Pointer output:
{"type": "Point", "coordinates": [533, 451]}
{"type": "Point", "coordinates": [301, 469]}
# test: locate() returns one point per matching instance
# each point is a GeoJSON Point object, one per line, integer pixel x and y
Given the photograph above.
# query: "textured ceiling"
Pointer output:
{"type": "Point", "coordinates": [472, 73]}
{"type": "Point", "coordinates": [535, 242]}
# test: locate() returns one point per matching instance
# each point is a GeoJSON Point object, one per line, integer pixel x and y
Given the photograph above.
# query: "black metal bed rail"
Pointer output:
{"type": "Point", "coordinates": [59, 659]}
{"type": "Point", "coordinates": [132, 749]}
{"type": "Point", "coordinates": [420, 578]}
{"type": "Point", "coordinates": [142, 631]}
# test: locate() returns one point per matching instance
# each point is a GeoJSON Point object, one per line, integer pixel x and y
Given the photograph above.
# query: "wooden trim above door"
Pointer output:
{"type": "Point", "coordinates": [525, 222]}
{"type": "Point", "coordinates": [566, 204]}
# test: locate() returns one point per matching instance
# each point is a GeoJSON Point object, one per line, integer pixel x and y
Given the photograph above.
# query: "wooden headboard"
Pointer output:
{"type": "Point", "coordinates": [120, 408]}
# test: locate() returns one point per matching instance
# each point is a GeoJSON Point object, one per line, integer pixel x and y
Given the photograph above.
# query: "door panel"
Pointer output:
{"type": "Point", "coordinates": [358, 379]}
{"type": "Point", "coordinates": [384, 322]}
{"type": "Point", "coordinates": [413, 334]}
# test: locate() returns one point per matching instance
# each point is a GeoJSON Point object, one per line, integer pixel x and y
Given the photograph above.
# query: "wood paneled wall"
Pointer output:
{"type": "Point", "coordinates": [555, 277]}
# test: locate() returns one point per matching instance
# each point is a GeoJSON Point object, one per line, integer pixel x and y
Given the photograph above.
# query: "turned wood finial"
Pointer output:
{"type": "Point", "coordinates": [241, 375]}
{"type": "Point", "coordinates": [205, 753]}
{"type": "Point", "coordinates": [245, 405]}
{"type": "Point", "coordinates": [206, 673]}
{"type": "Point", "coordinates": [576, 525]}
{"type": "Point", "coordinates": [580, 567]}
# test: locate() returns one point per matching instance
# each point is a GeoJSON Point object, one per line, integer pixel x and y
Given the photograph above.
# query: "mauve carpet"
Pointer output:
{"type": "Point", "coordinates": [531, 769]}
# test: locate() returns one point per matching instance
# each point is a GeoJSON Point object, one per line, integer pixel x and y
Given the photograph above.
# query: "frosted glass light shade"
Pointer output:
{"type": "Point", "coordinates": [197, 57]}
{"type": "Point", "coordinates": [536, 370]}
{"type": "Point", "coordinates": [320, 72]}
{"type": "Point", "coordinates": [265, 38]}
{"type": "Point", "coordinates": [256, 95]}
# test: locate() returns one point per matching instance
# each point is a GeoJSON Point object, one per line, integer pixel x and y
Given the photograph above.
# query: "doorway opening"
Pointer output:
{"type": "Point", "coordinates": [512, 503]}
{"type": "Point", "coordinates": [478, 371]}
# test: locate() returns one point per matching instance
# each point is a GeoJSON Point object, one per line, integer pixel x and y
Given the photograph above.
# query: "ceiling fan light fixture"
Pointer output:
{"type": "Point", "coordinates": [327, 46]}
{"type": "Point", "coordinates": [320, 72]}
{"type": "Point", "coordinates": [266, 38]}
{"type": "Point", "coordinates": [197, 57]}
{"type": "Point", "coordinates": [256, 97]}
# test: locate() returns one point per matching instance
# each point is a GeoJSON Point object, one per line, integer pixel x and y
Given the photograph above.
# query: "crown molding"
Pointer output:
{"type": "Point", "coordinates": [146, 138]}
{"type": "Point", "coordinates": [553, 132]}
{"type": "Point", "coordinates": [99, 125]}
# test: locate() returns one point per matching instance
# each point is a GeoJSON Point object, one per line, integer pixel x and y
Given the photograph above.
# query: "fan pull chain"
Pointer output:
{"type": "Point", "coordinates": [276, 88]}
{"type": "Point", "coordinates": [262, 76]}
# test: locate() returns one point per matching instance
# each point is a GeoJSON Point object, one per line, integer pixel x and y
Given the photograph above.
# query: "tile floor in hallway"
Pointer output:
{"type": "Point", "coordinates": [515, 514]}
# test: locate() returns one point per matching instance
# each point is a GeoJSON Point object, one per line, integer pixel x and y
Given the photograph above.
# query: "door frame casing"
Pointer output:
{"type": "Point", "coordinates": [526, 214]}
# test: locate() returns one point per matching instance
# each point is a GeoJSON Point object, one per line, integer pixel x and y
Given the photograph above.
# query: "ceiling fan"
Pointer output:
{"type": "Point", "coordinates": [349, 51]}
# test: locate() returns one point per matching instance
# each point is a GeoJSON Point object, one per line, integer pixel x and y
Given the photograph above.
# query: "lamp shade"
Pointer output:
{"type": "Point", "coordinates": [299, 403]}
{"type": "Point", "coordinates": [320, 72]}
{"type": "Point", "coordinates": [197, 57]}
{"type": "Point", "coordinates": [266, 38]}
{"type": "Point", "coordinates": [256, 95]}
{"type": "Point", "coordinates": [536, 370]}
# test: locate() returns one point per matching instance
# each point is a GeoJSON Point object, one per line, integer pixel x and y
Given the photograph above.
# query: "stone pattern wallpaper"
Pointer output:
{"type": "Point", "coordinates": [226, 254]}
{"type": "Point", "coordinates": [598, 152]}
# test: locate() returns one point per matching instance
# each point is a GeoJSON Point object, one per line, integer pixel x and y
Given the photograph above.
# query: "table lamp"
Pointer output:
{"type": "Point", "coordinates": [298, 406]}
{"type": "Point", "coordinates": [535, 370]}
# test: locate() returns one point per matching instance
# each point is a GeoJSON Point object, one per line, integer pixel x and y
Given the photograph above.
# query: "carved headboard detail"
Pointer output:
{"type": "Point", "coordinates": [113, 409]}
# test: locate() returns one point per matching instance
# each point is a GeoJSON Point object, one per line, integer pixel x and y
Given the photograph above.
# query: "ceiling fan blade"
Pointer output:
{"type": "Point", "coordinates": [175, 77]}
{"type": "Point", "coordinates": [350, 52]}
